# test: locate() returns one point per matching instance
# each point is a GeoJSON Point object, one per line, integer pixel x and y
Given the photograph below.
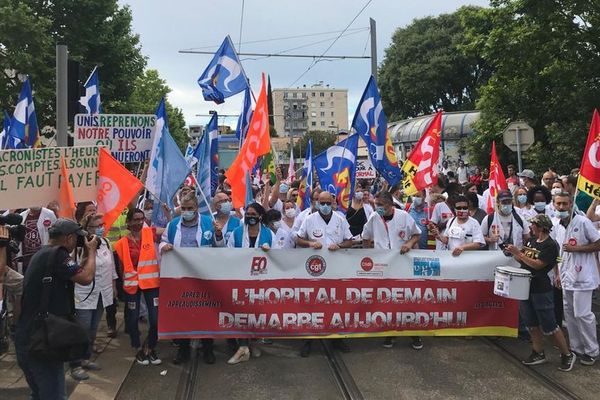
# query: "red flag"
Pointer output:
{"type": "Point", "coordinates": [420, 168]}
{"type": "Point", "coordinates": [116, 188]}
{"type": "Point", "coordinates": [497, 180]}
{"type": "Point", "coordinates": [589, 173]}
{"type": "Point", "coordinates": [66, 200]}
{"type": "Point", "coordinates": [256, 144]}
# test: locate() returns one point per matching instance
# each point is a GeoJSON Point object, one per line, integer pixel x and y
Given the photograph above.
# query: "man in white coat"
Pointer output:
{"type": "Point", "coordinates": [36, 220]}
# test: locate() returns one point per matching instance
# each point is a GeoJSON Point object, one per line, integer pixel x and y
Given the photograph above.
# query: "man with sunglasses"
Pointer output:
{"type": "Point", "coordinates": [463, 232]}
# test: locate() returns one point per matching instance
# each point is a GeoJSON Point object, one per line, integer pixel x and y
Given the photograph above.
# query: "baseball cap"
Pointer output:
{"type": "Point", "coordinates": [527, 173]}
{"type": "Point", "coordinates": [63, 226]}
{"type": "Point", "coordinates": [542, 220]}
{"type": "Point", "coordinates": [504, 195]}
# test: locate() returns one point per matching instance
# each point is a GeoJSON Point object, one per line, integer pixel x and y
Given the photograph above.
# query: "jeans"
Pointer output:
{"type": "Point", "coordinates": [111, 315]}
{"type": "Point", "coordinates": [132, 311]}
{"type": "Point", "coordinates": [89, 319]}
{"type": "Point", "coordinates": [46, 379]}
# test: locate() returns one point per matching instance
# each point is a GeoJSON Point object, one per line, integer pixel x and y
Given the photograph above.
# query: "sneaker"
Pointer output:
{"type": "Point", "coordinates": [567, 361]}
{"type": "Point", "coordinates": [111, 333]}
{"type": "Point", "coordinates": [306, 347]}
{"type": "Point", "coordinates": [417, 343]}
{"type": "Point", "coordinates": [388, 343]}
{"type": "Point", "coordinates": [141, 358]}
{"type": "Point", "coordinates": [153, 358]}
{"type": "Point", "coordinates": [535, 358]}
{"type": "Point", "coordinates": [79, 374]}
{"type": "Point", "coordinates": [242, 355]}
{"type": "Point", "coordinates": [584, 359]}
{"type": "Point", "coordinates": [90, 365]}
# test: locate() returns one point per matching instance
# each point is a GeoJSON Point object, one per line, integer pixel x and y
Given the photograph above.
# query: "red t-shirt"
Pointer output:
{"type": "Point", "coordinates": [135, 248]}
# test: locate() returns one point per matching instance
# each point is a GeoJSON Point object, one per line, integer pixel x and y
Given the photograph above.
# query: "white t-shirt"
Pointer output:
{"type": "Point", "coordinates": [501, 226]}
{"type": "Point", "coordinates": [315, 228]}
{"type": "Point", "coordinates": [579, 271]}
{"type": "Point", "coordinates": [391, 234]}
{"type": "Point", "coordinates": [467, 232]}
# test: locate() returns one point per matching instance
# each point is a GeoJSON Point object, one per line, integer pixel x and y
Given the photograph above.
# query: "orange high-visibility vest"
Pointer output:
{"type": "Point", "coordinates": [146, 274]}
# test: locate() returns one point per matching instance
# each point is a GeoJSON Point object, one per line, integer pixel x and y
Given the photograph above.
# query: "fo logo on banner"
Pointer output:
{"type": "Point", "coordinates": [315, 265]}
{"type": "Point", "coordinates": [108, 194]}
{"type": "Point", "coordinates": [258, 266]}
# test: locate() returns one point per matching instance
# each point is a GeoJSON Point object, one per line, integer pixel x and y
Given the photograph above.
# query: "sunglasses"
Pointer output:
{"type": "Point", "coordinates": [462, 208]}
{"type": "Point", "coordinates": [325, 203]}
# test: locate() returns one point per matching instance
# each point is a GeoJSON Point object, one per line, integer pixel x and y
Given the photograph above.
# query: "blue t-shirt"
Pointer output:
{"type": "Point", "coordinates": [420, 218]}
{"type": "Point", "coordinates": [188, 235]}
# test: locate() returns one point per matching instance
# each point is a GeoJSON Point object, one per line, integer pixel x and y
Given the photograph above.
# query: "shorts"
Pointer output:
{"type": "Point", "coordinates": [538, 312]}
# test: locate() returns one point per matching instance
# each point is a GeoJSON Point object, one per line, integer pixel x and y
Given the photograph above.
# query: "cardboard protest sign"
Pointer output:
{"type": "Point", "coordinates": [128, 136]}
{"type": "Point", "coordinates": [365, 170]}
{"type": "Point", "coordinates": [31, 177]}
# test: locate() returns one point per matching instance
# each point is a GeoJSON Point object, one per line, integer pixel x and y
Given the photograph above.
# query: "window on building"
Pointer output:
{"type": "Point", "coordinates": [303, 95]}
{"type": "Point", "coordinates": [332, 104]}
{"type": "Point", "coordinates": [322, 113]}
{"type": "Point", "coordinates": [322, 94]}
{"type": "Point", "coordinates": [332, 113]}
{"type": "Point", "coordinates": [313, 94]}
{"type": "Point", "coordinates": [285, 95]}
{"type": "Point", "coordinates": [332, 123]}
{"type": "Point", "coordinates": [304, 124]}
{"type": "Point", "coordinates": [330, 94]}
{"type": "Point", "coordinates": [313, 114]}
{"type": "Point", "coordinates": [322, 123]}
{"type": "Point", "coordinates": [314, 123]}
{"type": "Point", "coordinates": [295, 95]}
{"type": "Point", "coordinates": [322, 104]}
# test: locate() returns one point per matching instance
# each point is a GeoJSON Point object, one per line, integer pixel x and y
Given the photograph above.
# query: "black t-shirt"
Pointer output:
{"type": "Point", "coordinates": [61, 296]}
{"type": "Point", "coordinates": [356, 219]}
{"type": "Point", "coordinates": [546, 251]}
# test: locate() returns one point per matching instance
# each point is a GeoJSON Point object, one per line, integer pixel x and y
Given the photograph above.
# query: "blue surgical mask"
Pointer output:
{"type": "Point", "coordinates": [562, 214]}
{"type": "Point", "coordinates": [380, 210]}
{"type": "Point", "coordinates": [325, 209]}
{"type": "Point", "coordinates": [539, 206]}
{"type": "Point", "coordinates": [506, 209]}
{"type": "Point", "coordinates": [522, 199]}
{"type": "Point", "coordinates": [417, 201]}
{"type": "Point", "coordinates": [226, 207]}
{"type": "Point", "coordinates": [188, 215]}
{"type": "Point", "coordinates": [100, 231]}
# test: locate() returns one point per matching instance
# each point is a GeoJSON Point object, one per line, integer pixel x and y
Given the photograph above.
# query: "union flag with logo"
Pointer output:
{"type": "Point", "coordinates": [589, 173]}
{"type": "Point", "coordinates": [420, 168]}
{"type": "Point", "coordinates": [497, 179]}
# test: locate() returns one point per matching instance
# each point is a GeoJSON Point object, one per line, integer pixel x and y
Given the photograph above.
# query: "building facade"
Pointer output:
{"type": "Point", "coordinates": [315, 108]}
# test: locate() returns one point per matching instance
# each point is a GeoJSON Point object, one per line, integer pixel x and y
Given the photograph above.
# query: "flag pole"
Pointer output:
{"type": "Point", "coordinates": [206, 202]}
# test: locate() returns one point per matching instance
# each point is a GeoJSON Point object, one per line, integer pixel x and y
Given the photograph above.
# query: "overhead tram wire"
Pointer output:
{"type": "Point", "coordinates": [331, 45]}
{"type": "Point", "coordinates": [241, 26]}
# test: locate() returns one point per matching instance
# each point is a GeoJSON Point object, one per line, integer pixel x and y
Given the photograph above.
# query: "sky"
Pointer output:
{"type": "Point", "coordinates": [165, 28]}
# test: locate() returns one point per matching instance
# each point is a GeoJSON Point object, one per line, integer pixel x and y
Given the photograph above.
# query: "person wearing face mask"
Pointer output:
{"type": "Point", "coordinates": [522, 205]}
{"type": "Point", "coordinates": [222, 207]}
{"type": "Point", "coordinates": [358, 212]}
{"type": "Point", "coordinates": [462, 232]}
{"type": "Point", "coordinates": [540, 198]}
{"type": "Point", "coordinates": [419, 212]}
{"type": "Point", "coordinates": [289, 215]}
{"type": "Point", "coordinates": [324, 228]}
{"type": "Point", "coordinates": [578, 276]}
{"type": "Point", "coordinates": [253, 234]}
{"type": "Point", "coordinates": [192, 230]}
{"type": "Point", "coordinates": [279, 192]}
{"type": "Point", "coordinates": [137, 256]}
{"type": "Point", "coordinates": [504, 226]}
{"type": "Point", "coordinates": [285, 233]}
{"type": "Point", "coordinates": [442, 212]}
{"type": "Point", "coordinates": [314, 200]}
{"type": "Point", "coordinates": [282, 237]}
{"type": "Point", "coordinates": [92, 299]}
{"type": "Point", "coordinates": [389, 228]}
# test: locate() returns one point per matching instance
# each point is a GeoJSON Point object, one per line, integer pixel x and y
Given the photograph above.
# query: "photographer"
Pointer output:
{"type": "Point", "coordinates": [538, 256]}
{"type": "Point", "coordinates": [45, 378]}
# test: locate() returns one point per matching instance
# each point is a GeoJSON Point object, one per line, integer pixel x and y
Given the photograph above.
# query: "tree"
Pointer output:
{"type": "Point", "coordinates": [321, 141]}
{"type": "Point", "coordinates": [545, 55]}
{"type": "Point", "coordinates": [148, 89]}
{"type": "Point", "coordinates": [425, 68]}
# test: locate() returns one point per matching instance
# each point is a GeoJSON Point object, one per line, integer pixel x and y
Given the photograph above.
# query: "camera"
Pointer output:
{"type": "Point", "coordinates": [16, 231]}
{"type": "Point", "coordinates": [81, 242]}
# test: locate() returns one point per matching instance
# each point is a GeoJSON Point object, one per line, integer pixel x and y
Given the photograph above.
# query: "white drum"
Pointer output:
{"type": "Point", "coordinates": [512, 282]}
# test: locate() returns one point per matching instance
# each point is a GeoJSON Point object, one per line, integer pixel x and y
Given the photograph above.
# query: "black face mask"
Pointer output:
{"type": "Point", "coordinates": [252, 220]}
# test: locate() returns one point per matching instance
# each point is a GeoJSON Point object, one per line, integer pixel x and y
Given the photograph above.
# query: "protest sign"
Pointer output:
{"type": "Point", "coordinates": [349, 293]}
{"type": "Point", "coordinates": [31, 177]}
{"type": "Point", "coordinates": [365, 170]}
{"type": "Point", "coordinates": [129, 137]}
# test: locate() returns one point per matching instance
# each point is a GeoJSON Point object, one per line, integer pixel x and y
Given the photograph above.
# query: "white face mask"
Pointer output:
{"type": "Point", "coordinates": [290, 213]}
{"type": "Point", "coordinates": [556, 191]}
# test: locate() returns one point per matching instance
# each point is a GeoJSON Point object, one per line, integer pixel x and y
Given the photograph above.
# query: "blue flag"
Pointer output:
{"type": "Point", "coordinates": [202, 153]}
{"type": "Point", "coordinates": [224, 76]}
{"type": "Point", "coordinates": [212, 129]}
{"type": "Point", "coordinates": [4, 137]}
{"type": "Point", "coordinates": [336, 168]}
{"type": "Point", "coordinates": [189, 151]}
{"type": "Point", "coordinates": [306, 183]}
{"type": "Point", "coordinates": [370, 123]}
{"type": "Point", "coordinates": [91, 99]}
{"type": "Point", "coordinates": [245, 117]}
{"type": "Point", "coordinates": [24, 126]}
{"type": "Point", "coordinates": [167, 169]}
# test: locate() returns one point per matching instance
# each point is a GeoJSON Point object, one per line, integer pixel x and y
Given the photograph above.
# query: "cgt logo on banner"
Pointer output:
{"type": "Point", "coordinates": [419, 293]}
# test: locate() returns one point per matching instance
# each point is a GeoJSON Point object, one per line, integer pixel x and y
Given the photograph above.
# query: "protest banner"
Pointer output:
{"type": "Point", "coordinates": [128, 136]}
{"type": "Point", "coordinates": [365, 170]}
{"type": "Point", "coordinates": [212, 292]}
{"type": "Point", "coordinates": [31, 177]}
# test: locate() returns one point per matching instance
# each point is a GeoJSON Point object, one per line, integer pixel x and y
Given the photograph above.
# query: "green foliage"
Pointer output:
{"type": "Point", "coordinates": [148, 89]}
{"type": "Point", "coordinates": [321, 141]}
{"type": "Point", "coordinates": [545, 55]}
{"type": "Point", "coordinates": [427, 67]}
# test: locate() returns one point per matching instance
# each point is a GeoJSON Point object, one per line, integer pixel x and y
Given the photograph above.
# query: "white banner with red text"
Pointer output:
{"type": "Point", "coordinates": [223, 293]}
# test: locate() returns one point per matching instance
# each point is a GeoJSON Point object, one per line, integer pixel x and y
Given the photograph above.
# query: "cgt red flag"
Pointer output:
{"type": "Point", "coordinates": [116, 188]}
{"type": "Point", "coordinates": [256, 144]}
{"type": "Point", "coordinates": [589, 173]}
{"type": "Point", "coordinates": [497, 179]}
{"type": "Point", "coordinates": [66, 199]}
